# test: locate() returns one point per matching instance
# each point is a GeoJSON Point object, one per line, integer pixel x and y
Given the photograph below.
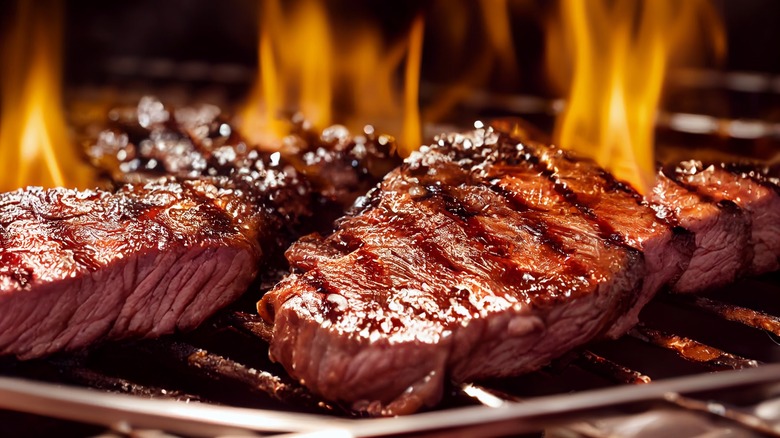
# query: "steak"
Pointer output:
{"type": "Point", "coordinates": [722, 229]}
{"type": "Point", "coordinates": [82, 266]}
{"type": "Point", "coordinates": [758, 196]}
{"type": "Point", "coordinates": [487, 256]}
{"type": "Point", "coordinates": [328, 168]}
{"type": "Point", "coordinates": [194, 214]}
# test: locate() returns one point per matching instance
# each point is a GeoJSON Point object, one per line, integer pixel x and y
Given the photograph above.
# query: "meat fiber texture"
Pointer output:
{"type": "Point", "coordinates": [328, 168]}
{"type": "Point", "coordinates": [82, 266]}
{"type": "Point", "coordinates": [195, 214]}
{"type": "Point", "coordinates": [481, 256]}
{"type": "Point", "coordinates": [487, 255]}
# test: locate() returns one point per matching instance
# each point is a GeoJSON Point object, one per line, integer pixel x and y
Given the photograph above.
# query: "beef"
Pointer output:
{"type": "Point", "coordinates": [623, 216]}
{"type": "Point", "coordinates": [329, 168]}
{"type": "Point", "coordinates": [487, 256]}
{"type": "Point", "coordinates": [193, 215]}
{"type": "Point", "coordinates": [758, 196]}
{"type": "Point", "coordinates": [479, 257]}
{"type": "Point", "coordinates": [722, 229]}
{"type": "Point", "coordinates": [81, 266]}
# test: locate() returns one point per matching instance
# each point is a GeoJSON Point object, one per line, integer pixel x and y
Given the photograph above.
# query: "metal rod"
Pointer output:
{"type": "Point", "coordinates": [692, 350]}
{"type": "Point", "coordinates": [217, 367]}
{"type": "Point", "coordinates": [743, 315]}
{"type": "Point", "coordinates": [611, 370]}
{"type": "Point", "coordinates": [83, 375]}
{"type": "Point", "coordinates": [718, 409]}
{"type": "Point", "coordinates": [250, 324]}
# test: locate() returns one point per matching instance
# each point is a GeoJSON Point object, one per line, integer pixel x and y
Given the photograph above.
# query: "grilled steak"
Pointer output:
{"type": "Point", "coordinates": [723, 251]}
{"type": "Point", "coordinates": [194, 215]}
{"type": "Point", "coordinates": [486, 256]}
{"type": "Point", "coordinates": [330, 168]}
{"type": "Point", "coordinates": [757, 196]}
{"type": "Point", "coordinates": [144, 261]}
{"type": "Point", "coordinates": [480, 257]}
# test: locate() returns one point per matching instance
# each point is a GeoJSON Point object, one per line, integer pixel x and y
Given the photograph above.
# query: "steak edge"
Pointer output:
{"type": "Point", "coordinates": [479, 257]}
{"type": "Point", "coordinates": [82, 266]}
{"type": "Point", "coordinates": [486, 256]}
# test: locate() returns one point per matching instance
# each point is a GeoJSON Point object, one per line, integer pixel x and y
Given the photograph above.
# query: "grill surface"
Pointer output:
{"type": "Point", "coordinates": [225, 363]}
{"type": "Point", "coordinates": [684, 345]}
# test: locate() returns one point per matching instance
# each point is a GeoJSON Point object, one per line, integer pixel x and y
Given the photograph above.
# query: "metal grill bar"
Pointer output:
{"type": "Point", "coordinates": [248, 323]}
{"type": "Point", "coordinates": [610, 369]}
{"type": "Point", "coordinates": [730, 312]}
{"type": "Point", "coordinates": [721, 410]}
{"type": "Point", "coordinates": [83, 375]}
{"type": "Point", "coordinates": [217, 367]}
{"type": "Point", "coordinates": [692, 350]}
{"type": "Point", "coordinates": [206, 357]}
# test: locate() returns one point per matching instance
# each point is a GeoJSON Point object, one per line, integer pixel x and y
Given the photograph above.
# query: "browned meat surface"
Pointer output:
{"type": "Point", "coordinates": [78, 267]}
{"type": "Point", "coordinates": [624, 217]}
{"type": "Point", "coordinates": [485, 256]}
{"type": "Point", "coordinates": [757, 196]}
{"type": "Point", "coordinates": [722, 229]}
{"type": "Point", "coordinates": [194, 216]}
{"type": "Point", "coordinates": [479, 257]}
{"type": "Point", "coordinates": [329, 168]}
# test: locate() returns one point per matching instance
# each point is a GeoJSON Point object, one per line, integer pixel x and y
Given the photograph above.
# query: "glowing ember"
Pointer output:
{"type": "Point", "coordinates": [332, 73]}
{"type": "Point", "coordinates": [621, 51]}
{"type": "Point", "coordinates": [34, 146]}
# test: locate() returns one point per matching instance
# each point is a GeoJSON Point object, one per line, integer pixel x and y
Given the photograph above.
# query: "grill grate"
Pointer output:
{"type": "Point", "coordinates": [225, 362]}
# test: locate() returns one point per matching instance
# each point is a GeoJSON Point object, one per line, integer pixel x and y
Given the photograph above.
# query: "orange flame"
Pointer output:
{"type": "Point", "coordinates": [331, 73]}
{"type": "Point", "coordinates": [621, 52]}
{"type": "Point", "coordinates": [494, 54]}
{"type": "Point", "coordinates": [32, 121]}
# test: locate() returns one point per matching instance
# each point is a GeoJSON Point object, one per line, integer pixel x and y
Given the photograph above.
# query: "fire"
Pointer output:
{"type": "Point", "coordinates": [332, 72]}
{"type": "Point", "coordinates": [467, 68]}
{"type": "Point", "coordinates": [621, 51]}
{"type": "Point", "coordinates": [33, 132]}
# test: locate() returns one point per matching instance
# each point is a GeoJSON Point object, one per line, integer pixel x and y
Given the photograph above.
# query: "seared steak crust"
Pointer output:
{"type": "Point", "coordinates": [193, 215]}
{"type": "Point", "coordinates": [487, 256]}
{"type": "Point", "coordinates": [82, 266]}
{"type": "Point", "coordinates": [755, 194]}
{"type": "Point", "coordinates": [722, 229]}
{"type": "Point", "coordinates": [622, 216]}
{"type": "Point", "coordinates": [323, 170]}
{"type": "Point", "coordinates": [480, 256]}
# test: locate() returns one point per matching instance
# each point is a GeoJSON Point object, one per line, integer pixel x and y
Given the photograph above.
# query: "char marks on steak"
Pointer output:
{"type": "Point", "coordinates": [77, 267]}
{"type": "Point", "coordinates": [194, 215]}
{"type": "Point", "coordinates": [479, 257]}
{"type": "Point", "coordinates": [758, 196]}
{"type": "Point", "coordinates": [329, 169]}
{"type": "Point", "coordinates": [722, 231]}
{"type": "Point", "coordinates": [485, 256]}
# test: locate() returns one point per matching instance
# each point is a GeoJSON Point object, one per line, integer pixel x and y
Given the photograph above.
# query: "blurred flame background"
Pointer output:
{"type": "Point", "coordinates": [409, 68]}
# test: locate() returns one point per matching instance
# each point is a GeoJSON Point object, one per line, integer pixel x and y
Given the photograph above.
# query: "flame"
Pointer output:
{"type": "Point", "coordinates": [32, 120]}
{"type": "Point", "coordinates": [492, 62]}
{"type": "Point", "coordinates": [621, 51]}
{"type": "Point", "coordinates": [332, 72]}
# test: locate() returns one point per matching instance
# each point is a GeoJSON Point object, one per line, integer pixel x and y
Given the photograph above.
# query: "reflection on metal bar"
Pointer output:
{"type": "Point", "coordinates": [110, 410]}
{"type": "Point", "coordinates": [250, 324]}
{"type": "Point", "coordinates": [743, 315]}
{"type": "Point", "coordinates": [692, 350]}
{"type": "Point", "coordinates": [487, 397]}
{"type": "Point", "coordinates": [611, 370]}
{"type": "Point", "coordinates": [721, 410]}
{"type": "Point", "coordinates": [198, 419]}
{"type": "Point", "coordinates": [78, 373]}
{"type": "Point", "coordinates": [218, 367]}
